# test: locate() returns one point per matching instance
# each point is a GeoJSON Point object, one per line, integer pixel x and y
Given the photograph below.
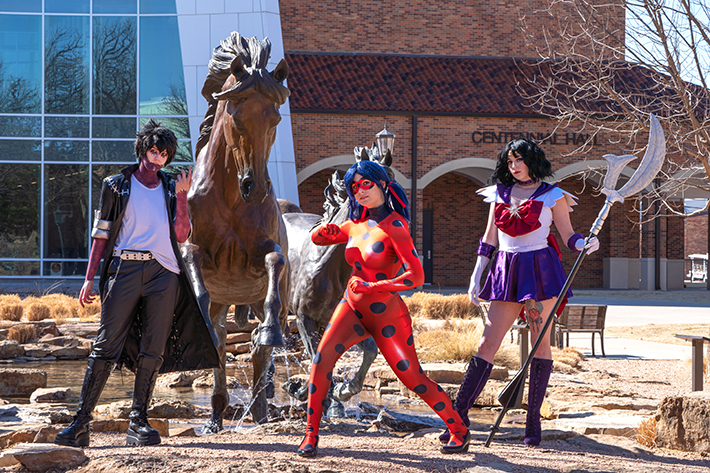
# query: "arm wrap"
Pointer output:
{"type": "Point", "coordinates": [572, 242]}
{"type": "Point", "coordinates": [484, 249]}
{"type": "Point", "coordinates": [101, 228]}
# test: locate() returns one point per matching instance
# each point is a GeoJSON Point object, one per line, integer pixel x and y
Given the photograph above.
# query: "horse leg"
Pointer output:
{"type": "Point", "coordinates": [241, 316]}
{"type": "Point", "coordinates": [308, 331]}
{"type": "Point", "coordinates": [270, 329]}
{"type": "Point", "coordinates": [345, 390]}
{"type": "Point", "coordinates": [261, 361]}
{"type": "Point", "coordinates": [220, 397]}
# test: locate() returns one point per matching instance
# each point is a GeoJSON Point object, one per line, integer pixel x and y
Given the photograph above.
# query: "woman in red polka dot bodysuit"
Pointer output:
{"type": "Point", "coordinates": [378, 244]}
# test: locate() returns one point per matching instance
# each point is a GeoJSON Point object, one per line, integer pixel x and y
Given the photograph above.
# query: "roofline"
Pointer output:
{"type": "Point", "coordinates": [419, 114]}
{"type": "Point", "coordinates": [425, 56]}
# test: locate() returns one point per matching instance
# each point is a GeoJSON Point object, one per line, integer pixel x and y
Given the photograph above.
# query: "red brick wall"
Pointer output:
{"type": "Point", "coordinates": [696, 235]}
{"type": "Point", "coordinates": [453, 27]}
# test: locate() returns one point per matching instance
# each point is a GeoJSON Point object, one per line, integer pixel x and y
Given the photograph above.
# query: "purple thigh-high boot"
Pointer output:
{"type": "Point", "coordinates": [540, 370]}
{"type": "Point", "coordinates": [473, 382]}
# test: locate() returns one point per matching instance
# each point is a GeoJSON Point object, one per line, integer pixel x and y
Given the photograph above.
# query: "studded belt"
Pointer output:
{"type": "Point", "coordinates": [129, 255]}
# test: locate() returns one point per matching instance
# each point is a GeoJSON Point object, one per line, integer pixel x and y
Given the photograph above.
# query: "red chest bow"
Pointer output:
{"type": "Point", "coordinates": [516, 221]}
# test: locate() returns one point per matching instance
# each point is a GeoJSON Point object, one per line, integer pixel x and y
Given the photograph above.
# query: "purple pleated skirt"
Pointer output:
{"type": "Point", "coordinates": [517, 277]}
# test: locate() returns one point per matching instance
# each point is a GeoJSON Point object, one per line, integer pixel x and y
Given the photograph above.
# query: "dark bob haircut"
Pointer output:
{"type": "Point", "coordinates": [376, 173]}
{"type": "Point", "coordinates": [153, 134]}
{"type": "Point", "coordinates": [533, 156]}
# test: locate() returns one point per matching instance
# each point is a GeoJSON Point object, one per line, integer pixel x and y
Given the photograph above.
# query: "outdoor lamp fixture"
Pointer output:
{"type": "Point", "coordinates": [385, 141]}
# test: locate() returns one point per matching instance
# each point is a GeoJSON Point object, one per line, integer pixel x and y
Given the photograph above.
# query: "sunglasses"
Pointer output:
{"type": "Point", "coordinates": [365, 184]}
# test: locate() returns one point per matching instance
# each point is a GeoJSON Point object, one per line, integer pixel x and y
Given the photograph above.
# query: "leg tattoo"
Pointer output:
{"type": "Point", "coordinates": [533, 313]}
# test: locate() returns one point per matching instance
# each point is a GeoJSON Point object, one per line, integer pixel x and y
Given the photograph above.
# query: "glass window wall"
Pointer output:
{"type": "Point", "coordinates": [66, 64]}
{"type": "Point", "coordinates": [70, 105]}
{"type": "Point", "coordinates": [20, 63]}
{"type": "Point", "coordinates": [114, 88]}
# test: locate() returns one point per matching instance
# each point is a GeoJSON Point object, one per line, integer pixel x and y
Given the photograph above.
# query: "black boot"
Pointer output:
{"type": "Point", "coordinates": [77, 434]}
{"type": "Point", "coordinates": [540, 370]}
{"type": "Point", "coordinates": [139, 430]}
{"type": "Point", "coordinates": [471, 386]}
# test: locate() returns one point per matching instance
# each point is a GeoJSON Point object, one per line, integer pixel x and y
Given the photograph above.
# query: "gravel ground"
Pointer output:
{"type": "Point", "coordinates": [348, 446]}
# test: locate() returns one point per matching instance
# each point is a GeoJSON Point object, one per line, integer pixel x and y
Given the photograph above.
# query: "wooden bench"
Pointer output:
{"type": "Point", "coordinates": [697, 367]}
{"type": "Point", "coordinates": [582, 318]}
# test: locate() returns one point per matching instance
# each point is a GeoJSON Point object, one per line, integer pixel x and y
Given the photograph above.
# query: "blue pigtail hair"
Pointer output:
{"type": "Point", "coordinates": [376, 173]}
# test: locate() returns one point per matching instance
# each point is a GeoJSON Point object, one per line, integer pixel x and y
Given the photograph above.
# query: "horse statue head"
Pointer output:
{"type": "Point", "coordinates": [244, 100]}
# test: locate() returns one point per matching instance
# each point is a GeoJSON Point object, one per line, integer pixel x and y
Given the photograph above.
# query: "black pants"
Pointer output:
{"type": "Point", "coordinates": [133, 285]}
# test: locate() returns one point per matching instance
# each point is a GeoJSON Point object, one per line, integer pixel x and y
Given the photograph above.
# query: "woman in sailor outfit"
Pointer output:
{"type": "Point", "coordinates": [526, 274]}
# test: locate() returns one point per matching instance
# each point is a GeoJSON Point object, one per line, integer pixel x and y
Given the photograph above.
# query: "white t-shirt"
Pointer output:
{"type": "Point", "coordinates": [145, 225]}
{"type": "Point", "coordinates": [537, 239]}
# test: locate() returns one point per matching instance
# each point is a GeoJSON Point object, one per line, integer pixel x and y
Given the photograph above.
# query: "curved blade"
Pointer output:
{"type": "Point", "coordinates": [652, 161]}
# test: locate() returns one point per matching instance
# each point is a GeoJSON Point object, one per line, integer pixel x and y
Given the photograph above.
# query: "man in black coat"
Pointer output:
{"type": "Point", "coordinates": [154, 315]}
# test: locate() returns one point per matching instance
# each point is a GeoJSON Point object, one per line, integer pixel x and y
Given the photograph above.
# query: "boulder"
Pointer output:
{"type": "Point", "coordinates": [80, 330]}
{"type": "Point", "coordinates": [10, 349]}
{"type": "Point", "coordinates": [47, 456]}
{"type": "Point", "coordinates": [181, 379]}
{"type": "Point", "coordinates": [50, 395]}
{"type": "Point", "coordinates": [683, 423]}
{"type": "Point", "coordinates": [14, 437]}
{"type": "Point", "coordinates": [37, 350]}
{"type": "Point", "coordinates": [121, 425]}
{"type": "Point", "coordinates": [160, 408]}
{"type": "Point", "coordinates": [70, 353]}
{"type": "Point", "coordinates": [62, 341]}
{"type": "Point", "coordinates": [21, 382]}
{"type": "Point", "coordinates": [239, 337]}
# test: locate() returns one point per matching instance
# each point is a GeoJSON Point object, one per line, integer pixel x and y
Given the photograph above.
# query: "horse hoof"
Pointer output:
{"type": "Point", "coordinates": [270, 390]}
{"type": "Point", "coordinates": [212, 427]}
{"type": "Point", "coordinates": [270, 337]}
{"type": "Point", "coordinates": [343, 392]}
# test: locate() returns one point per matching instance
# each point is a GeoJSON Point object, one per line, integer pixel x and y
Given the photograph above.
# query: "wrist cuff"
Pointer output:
{"type": "Point", "coordinates": [484, 249]}
{"type": "Point", "coordinates": [572, 242]}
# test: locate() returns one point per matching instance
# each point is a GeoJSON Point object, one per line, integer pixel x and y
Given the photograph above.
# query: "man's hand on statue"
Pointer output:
{"type": "Point", "coordinates": [85, 296]}
{"type": "Point", "coordinates": [592, 245]}
{"type": "Point", "coordinates": [358, 286]}
{"type": "Point", "coordinates": [183, 181]}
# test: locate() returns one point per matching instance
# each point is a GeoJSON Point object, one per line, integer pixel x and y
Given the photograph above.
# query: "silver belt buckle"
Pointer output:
{"type": "Point", "coordinates": [128, 255]}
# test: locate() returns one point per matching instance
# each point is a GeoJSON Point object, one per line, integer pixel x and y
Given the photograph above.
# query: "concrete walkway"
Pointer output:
{"type": "Point", "coordinates": [635, 308]}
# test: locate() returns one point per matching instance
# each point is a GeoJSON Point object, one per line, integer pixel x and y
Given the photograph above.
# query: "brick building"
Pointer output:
{"type": "Point", "coordinates": [446, 79]}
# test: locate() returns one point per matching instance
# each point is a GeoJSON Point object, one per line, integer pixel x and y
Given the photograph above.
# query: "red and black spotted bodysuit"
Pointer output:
{"type": "Point", "coordinates": [376, 251]}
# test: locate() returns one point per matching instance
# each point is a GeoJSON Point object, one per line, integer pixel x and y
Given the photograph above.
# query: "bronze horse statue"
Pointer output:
{"type": "Point", "coordinates": [236, 220]}
{"type": "Point", "coordinates": [319, 275]}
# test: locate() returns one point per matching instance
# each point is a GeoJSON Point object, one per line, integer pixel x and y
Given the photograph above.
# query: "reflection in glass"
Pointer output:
{"type": "Point", "coordinates": [66, 200]}
{"type": "Point", "coordinates": [66, 70]}
{"type": "Point", "coordinates": [113, 128]}
{"type": "Point", "coordinates": [114, 6]}
{"type": "Point", "coordinates": [60, 150]}
{"type": "Point", "coordinates": [162, 80]}
{"type": "Point", "coordinates": [99, 172]}
{"type": "Point", "coordinates": [64, 6]}
{"type": "Point", "coordinates": [19, 219]}
{"type": "Point", "coordinates": [114, 54]}
{"type": "Point", "coordinates": [19, 268]}
{"type": "Point", "coordinates": [158, 6]}
{"type": "Point", "coordinates": [179, 125]}
{"type": "Point", "coordinates": [20, 150]}
{"type": "Point", "coordinates": [184, 152]}
{"type": "Point", "coordinates": [58, 269]}
{"type": "Point", "coordinates": [20, 63]}
{"type": "Point", "coordinates": [114, 151]}
{"type": "Point", "coordinates": [29, 6]}
{"type": "Point", "coordinates": [66, 127]}
{"type": "Point", "coordinates": [21, 126]}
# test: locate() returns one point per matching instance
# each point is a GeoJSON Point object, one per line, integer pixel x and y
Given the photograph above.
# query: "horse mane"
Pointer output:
{"type": "Point", "coordinates": [254, 54]}
{"type": "Point", "coordinates": [335, 198]}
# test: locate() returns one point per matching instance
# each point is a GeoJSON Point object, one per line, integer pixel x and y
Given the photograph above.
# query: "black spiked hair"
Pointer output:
{"type": "Point", "coordinates": [154, 134]}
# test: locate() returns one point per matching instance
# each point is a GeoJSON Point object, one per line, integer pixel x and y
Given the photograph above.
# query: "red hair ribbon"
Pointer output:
{"type": "Point", "coordinates": [395, 195]}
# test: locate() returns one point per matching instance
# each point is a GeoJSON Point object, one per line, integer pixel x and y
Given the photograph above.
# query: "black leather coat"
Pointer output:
{"type": "Point", "coordinates": [193, 342]}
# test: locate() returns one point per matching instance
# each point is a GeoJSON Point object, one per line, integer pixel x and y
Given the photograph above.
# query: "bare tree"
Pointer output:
{"type": "Point", "coordinates": [607, 76]}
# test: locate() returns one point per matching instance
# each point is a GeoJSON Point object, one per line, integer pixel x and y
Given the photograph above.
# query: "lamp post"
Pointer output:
{"type": "Point", "coordinates": [385, 141]}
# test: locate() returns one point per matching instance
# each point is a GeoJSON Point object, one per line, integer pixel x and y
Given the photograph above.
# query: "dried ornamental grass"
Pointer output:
{"type": "Point", "coordinates": [11, 312]}
{"type": "Point", "coordinates": [22, 333]}
{"type": "Point", "coordinates": [436, 306]}
{"type": "Point", "coordinates": [61, 306]}
{"type": "Point", "coordinates": [646, 432]}
{"type": "Point", "coordinates": [37, 311]}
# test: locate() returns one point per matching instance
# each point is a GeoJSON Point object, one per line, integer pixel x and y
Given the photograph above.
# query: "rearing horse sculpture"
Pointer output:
{"type": "Point", "coordinates": [236, 221]}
